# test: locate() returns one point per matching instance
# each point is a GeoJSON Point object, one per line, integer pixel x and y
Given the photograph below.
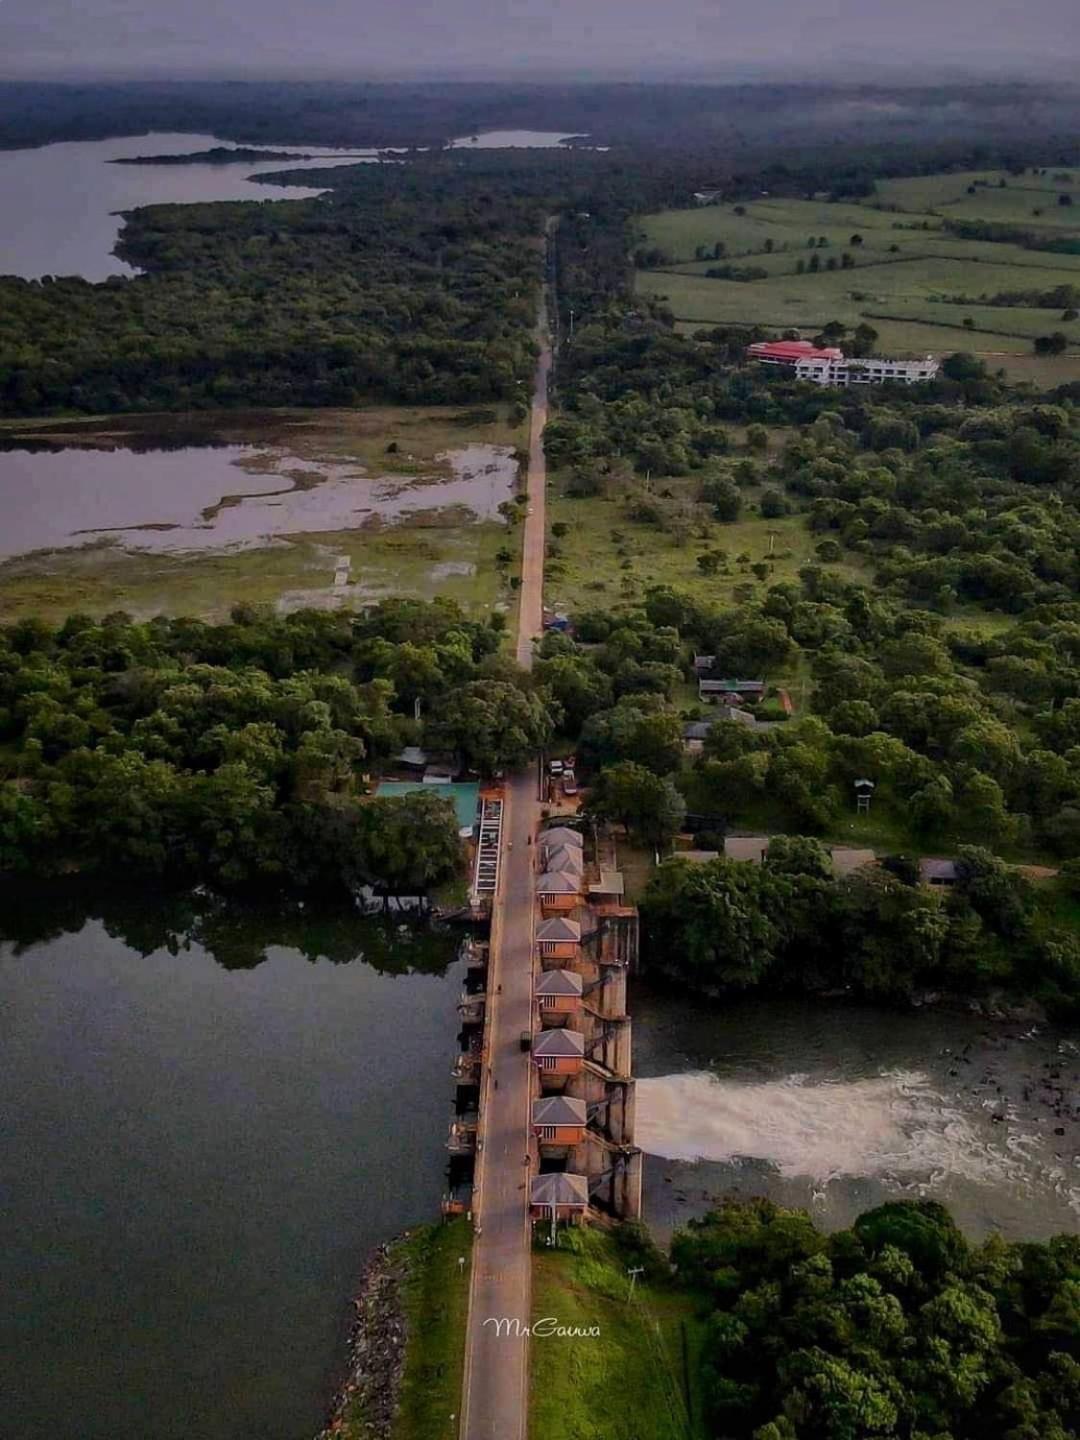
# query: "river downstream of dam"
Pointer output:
{"type": "Point", "coordinates": [217, 1110]}
{"type": "Point", "coordinates": [837, 1108]}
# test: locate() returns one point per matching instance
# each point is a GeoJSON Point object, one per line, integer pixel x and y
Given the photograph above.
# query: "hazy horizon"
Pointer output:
{"type": "Point", "coordinates": [543, 40]}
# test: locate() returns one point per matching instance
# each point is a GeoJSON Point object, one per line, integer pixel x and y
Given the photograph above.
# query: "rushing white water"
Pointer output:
{"type": "Point", "coordinates": [895, 1127]}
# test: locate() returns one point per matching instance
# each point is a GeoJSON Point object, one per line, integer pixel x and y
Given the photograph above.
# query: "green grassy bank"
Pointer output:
{"type": "Point", "coordinates": [637, 1377]}
{"type": "Point", "coordinates": [433, 1290]}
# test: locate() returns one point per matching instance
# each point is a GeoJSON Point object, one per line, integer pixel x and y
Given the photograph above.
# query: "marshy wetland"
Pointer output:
{"type": "Point", "coordinates": [194, 512]}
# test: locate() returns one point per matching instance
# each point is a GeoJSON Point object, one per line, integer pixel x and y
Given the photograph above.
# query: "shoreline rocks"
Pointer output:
{"type": "Point", "coordinates": [367, 1398]}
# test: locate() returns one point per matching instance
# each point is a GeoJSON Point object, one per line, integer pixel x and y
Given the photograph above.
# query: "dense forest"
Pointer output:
{"type": "Point", "coordinates": [896, 1327]}
{"type": "Point", "coordinates": [401, 286]}
{"type": "Point", "coordinates": [709, 122]}
{"type": "Point", "coordinates": [789, 924]}
{"type": "Point", "coordinates": [234, 753]}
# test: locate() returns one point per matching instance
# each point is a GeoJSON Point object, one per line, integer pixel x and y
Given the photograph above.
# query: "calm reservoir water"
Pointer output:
{"type": "Point", "coordinates": [839, 1108]}
{"type": "Point", "coordinates": [60, 204]}
{"type": "Point", "coordinates": [194, 1159]}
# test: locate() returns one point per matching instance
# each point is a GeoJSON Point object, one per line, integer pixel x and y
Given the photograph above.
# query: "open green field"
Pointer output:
{"type": "Point", "coordinates": [1011, 199]}
{"type": "Point", "coordinates": [606, 559]}
{"type": "Point", "coordinates": [637, 1378]}
{"type": "Point", "coordinates": [907, 269]}
{"type": "Point", "coordinates": [433, 550]}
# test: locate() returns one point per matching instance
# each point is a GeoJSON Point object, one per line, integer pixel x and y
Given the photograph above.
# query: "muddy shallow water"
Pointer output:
{"type": "Point", "coordinates": [233, 495]}
{"type": "Point", "coordinates": [838, 1108]}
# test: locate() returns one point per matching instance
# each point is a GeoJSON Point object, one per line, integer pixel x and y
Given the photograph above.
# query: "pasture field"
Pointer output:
{"type": "Point", "coordinates": [906, 291]}
{"type": "Point", "coordinates": [1014, 200]}
{"type": "Point", "coordinates": [906, 271]}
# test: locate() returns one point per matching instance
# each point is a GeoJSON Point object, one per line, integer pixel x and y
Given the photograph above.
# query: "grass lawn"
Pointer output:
{"type": "Point", "coordinates": [1020, 366]}
{"type": "Point", "coordinates": [906, 266]}
{"type": "Point", "coordinates": [902, 294]}
{"type": "Point", "coordinates": [628, 1383]}
{"type": "Point", "coordinates": [1012, 203]}
{"type": "Point", "coordinates": [432, 551]}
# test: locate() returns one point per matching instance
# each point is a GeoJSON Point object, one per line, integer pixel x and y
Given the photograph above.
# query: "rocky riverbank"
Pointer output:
{"type": "Point", "coordinates": [367, 1401]}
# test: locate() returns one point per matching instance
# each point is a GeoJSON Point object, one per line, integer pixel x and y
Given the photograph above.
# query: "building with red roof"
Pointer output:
{"type": "Point", "coordinates": [790, 352]}
{"type": "Point", "coordinates": [825, 365]}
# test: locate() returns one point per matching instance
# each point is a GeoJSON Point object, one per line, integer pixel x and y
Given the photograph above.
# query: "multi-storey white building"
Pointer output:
{"type": "Point", "coordinates": [828, 366]}
{"type": "Point", "coordinates": [871, 371]}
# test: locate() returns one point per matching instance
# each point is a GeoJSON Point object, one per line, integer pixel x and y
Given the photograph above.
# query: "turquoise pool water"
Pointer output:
{"type": "Point", "coordinates": [465, 796]}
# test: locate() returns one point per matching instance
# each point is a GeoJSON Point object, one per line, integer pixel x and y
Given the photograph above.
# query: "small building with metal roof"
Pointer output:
{"type": "Point", "coordinates": [559, 1120]}
{"type": "Point", "coordinates": [558, 890]}
{"type": "Point", "coordinates": [559, 1052]}
{"type": "Point", "coordinates": [558, 938]}
{"type": "Point", "coordinates": [559, 1196]}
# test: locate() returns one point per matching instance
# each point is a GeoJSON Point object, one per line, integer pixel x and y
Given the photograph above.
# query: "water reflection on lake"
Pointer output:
{"type": "Point", "coordinates": [60, 204]}
{"type": "Point", "coordinates": [838, 1108]}
{"type": "Point", "coordinates": [213, 1112]}
{"type": "Point", "coordinates": [207, 497]}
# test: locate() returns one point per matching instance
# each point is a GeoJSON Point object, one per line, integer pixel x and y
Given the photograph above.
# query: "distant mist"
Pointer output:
{"type": "Point", "coordinates": [543, 40]}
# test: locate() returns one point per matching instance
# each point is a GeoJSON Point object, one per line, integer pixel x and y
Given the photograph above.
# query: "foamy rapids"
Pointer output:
{"type": "Point", "coordinates": [894, 1127]}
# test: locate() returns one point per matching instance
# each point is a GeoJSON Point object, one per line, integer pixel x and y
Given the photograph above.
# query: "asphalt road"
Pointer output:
{"type": "Point", "coordinates": [531, 594]}
{"type": "Point", "coordinates": [496, 1384]}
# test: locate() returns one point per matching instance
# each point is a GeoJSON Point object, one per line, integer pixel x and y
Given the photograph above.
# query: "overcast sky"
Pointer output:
{"type": "Point", "coordinates": [518, 36]}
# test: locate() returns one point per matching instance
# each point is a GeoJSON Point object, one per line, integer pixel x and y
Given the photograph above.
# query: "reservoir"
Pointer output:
{"type": "Point", "coordinates": [837, 1108]}
{"type": "Point", "coordinates": [211, 1114]}
{"type": "Point", "coordinates": [60, 204]}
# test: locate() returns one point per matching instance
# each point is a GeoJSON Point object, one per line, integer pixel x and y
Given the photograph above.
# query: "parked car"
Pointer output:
{"type": "Point", "coordinates": [526, 1039]}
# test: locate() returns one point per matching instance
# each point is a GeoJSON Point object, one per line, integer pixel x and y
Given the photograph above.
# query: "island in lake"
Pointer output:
{"type": "Point", "coordinates": [217, 155]}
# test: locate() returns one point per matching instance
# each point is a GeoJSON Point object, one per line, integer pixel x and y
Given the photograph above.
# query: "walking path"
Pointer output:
{"type": "Point", "coordinates": [496, 1384]}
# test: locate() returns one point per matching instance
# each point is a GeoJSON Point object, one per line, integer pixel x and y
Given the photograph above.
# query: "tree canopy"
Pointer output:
{"type": "Point", "coordinates": [236, 752]}
{"type": "Point", "coordinates": [897, 1327]}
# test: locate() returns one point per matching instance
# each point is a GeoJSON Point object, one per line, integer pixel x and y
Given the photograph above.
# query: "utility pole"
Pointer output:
{"type": "Point", "coordinates": [634, 1271]}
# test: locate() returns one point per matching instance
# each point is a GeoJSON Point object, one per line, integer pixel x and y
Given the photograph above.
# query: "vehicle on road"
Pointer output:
{"type": "Point", "coordinates": [526, 1040]}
